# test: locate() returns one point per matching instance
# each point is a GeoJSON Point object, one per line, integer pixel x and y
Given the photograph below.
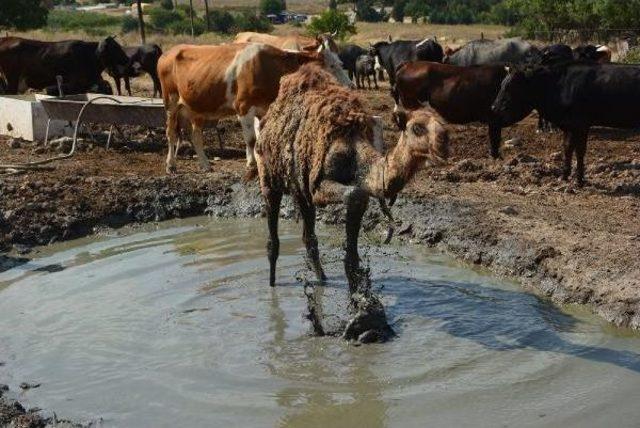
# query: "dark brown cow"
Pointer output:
{"type": "Point", "coordinates": [459, 94]}
{"type": "Point", "coordinates": [32, 64]}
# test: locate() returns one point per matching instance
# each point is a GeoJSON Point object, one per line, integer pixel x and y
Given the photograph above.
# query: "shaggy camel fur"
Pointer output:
{"type": "Point", "coordinates": [316, 144]}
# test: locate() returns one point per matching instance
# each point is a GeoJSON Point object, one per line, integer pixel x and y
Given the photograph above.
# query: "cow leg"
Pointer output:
{"type": "Point", "coordinates": [157, 88]}
{"type": "Point", "coordinates": [569, 147]}
{"type": "Point", "coordinates": [369, 81]}
{"type": "Point", "coordinates": [375, 80]}
{"type": "Point", "coordinates": [308, 212]}
{"type": "Point", "coordinates": [127, 84]}
{"type": "Point", "coordinates": [580, 144]}
{"type": "Point", "coordinates": [495, 135]}
{"type": "Point", "coordinates": [172, 138]}
{"type": "Point", "coordinates": [118, 84]}
{"type": "Point", "coordinates": [272, 201]}
{"type": "Point", "coordinates": [198, 144]}
{"type": "Point", "coordinates": [249, 135]}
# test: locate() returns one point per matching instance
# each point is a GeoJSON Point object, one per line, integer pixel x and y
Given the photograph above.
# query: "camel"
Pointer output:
{"type": "Point", "coordinates": [316, 144]}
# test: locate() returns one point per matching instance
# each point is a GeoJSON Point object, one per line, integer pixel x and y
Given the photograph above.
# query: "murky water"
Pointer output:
{"type": "Point", "coordinates": [176, 326]}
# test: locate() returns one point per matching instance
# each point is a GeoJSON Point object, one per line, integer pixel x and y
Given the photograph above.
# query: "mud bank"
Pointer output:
{"type": "Point", "coordinates": [14, 415]}
{"type": "Point", "coordinates": [559, 250]}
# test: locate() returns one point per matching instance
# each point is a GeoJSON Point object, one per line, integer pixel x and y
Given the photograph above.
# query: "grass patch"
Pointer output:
{"type": "Point", "coordinates": [63, 20]}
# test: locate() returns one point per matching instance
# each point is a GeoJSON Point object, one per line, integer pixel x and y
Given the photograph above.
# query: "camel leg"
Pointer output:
{"type": "Point", "coordinates": [272, 200]}
{"type": "Point", "coordinates": [356, 202]}
{"type": "Point", "coordinates": [172, 138]}
{"type": "Point", "coordinates": [198, 144]}
{"type": "Point", "coordinates": [309, 237]}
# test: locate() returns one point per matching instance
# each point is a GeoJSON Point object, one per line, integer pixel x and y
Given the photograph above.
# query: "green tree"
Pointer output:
{"type": "Point", "coordinates": [366, 12]}
{"type": "Point", "coordinates": [167, 4]}
{"type": "Point", "coordinates": [331, 21]}
{"type": "Point", "coordinates": [22, 14]}
{"type": "Point", "coordinates": [272, 6]}
{"type": "Point", "coordinates": [398, 10]}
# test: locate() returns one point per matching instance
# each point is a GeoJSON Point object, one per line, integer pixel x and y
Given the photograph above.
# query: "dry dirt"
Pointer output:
{"type": "Point", "coordinates": [514, 216]}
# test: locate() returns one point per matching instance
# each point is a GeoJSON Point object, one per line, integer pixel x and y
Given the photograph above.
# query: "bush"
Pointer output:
{"type": "Point", "coordinates": [272, 6]}
{"type": "Point", "coordinates": [22, 14]}
{"type": "Point", "coordinates": [221, 21]}
{"type": "Point", "coordinates": [167, 4]}
{"type": "Point", "coordinates": [330, 21]}
{"type": "Point", "coordinates": [74, 21]}
{"type": "Point", "coordinates": [632, 57]}
{"type": "Point", "coordinates": [184, 26]}
{"type": "Point", "coordinates": [161, 19]}
{"type": "Point", "coordinates": [248, 21]}
{"type": "Point", "coordinates": [129, 24]}
{"type": "Point", "coordinates": [365, 12]}
{"type": "Point", "coordinates": [398, 10]}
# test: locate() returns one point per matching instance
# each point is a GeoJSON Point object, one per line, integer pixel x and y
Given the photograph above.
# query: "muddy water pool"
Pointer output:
{"type": "Point", "coordinates": [175, 325]}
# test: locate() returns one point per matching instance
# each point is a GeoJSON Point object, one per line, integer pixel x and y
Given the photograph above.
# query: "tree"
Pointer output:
{"type": "Point", "coordinates": [23, 14]}
{"type": "Point", "coordinates": [366, 12]}
{"type": "Point", "coordinates": [398, 10]}
{"type": "Point", "coordinates": [331, 21]}
{"type": "Point", "coordinates": [268, 7]}
{"type": "Point", "coordinates": [167, 4]}
{"type": "Point", "coordinates": [143, 37]}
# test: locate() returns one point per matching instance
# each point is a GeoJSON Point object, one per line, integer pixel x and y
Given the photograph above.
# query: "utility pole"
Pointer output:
{"type": "Point", "coordinates": [193, 34]}
{"type": "Point", "coordinates": [206, 11]}
{"type": "Point", "coordinates": [141, 22]}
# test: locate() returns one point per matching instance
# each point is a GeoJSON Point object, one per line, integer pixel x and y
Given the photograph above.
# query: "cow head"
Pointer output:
{"type": "Point", "coordinates": [332, 63]}
{"type": "Point", "coordinates": [516, 98]}
{"type": "Point", "coordinates": [326, 41]}
{"type": "Point", "coordinates": [111, 55]}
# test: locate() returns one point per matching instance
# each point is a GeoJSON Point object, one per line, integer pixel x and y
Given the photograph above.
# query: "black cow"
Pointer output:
{"type": "Point", "coordinates": [34, 64]}
{"type": "Point", "coordinates": [575, 96]}
{"type": "Point", "coordinates": [349, 54]}
{"type": "Point", "coordinates": [142, 59]}
{"type": "Point", "coordinates": [365, 68]}
{"type": "Point", "coordinates": [492, 52]}
{"type": "Point", "coordinates": [600, 53]}
{"type": "Point", "coordinates": [392, 55]}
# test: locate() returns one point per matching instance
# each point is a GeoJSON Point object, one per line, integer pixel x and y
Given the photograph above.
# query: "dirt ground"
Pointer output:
{"type": "Point", "coordinates": [514, 216]}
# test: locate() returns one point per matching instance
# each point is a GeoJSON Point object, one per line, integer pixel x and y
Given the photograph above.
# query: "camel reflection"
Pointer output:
{"type": "Point", "coordinates": [326, 387]}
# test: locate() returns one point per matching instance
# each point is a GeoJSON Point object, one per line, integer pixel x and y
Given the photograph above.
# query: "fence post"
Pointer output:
{"type": "Point", "coordinates": [141, 22]}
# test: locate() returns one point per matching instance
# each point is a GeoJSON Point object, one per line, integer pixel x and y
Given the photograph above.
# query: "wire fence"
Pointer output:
{"type": "Point", "coordinates": [630, 36]}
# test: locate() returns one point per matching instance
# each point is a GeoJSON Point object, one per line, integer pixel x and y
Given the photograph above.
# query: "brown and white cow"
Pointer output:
{"type": "Point", "coordinates": [293, 43]}
{"type": "Point", "coordinates": [208, 83]}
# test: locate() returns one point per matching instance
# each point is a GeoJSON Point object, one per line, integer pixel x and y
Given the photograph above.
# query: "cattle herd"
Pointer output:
{"type": "Point", "coordinates": [294, 96]}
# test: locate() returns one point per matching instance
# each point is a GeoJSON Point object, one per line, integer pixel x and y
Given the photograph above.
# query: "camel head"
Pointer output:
{"type": "Point", "coordinates": [423, 135]}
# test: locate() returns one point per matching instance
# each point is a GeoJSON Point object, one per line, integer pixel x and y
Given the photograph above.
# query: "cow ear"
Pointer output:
{"type": "Point", "coordinates": [400, 118]}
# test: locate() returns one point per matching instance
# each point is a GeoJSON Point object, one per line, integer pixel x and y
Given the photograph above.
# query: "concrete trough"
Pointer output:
{"type": "Point", "coordinates": [23, 116]}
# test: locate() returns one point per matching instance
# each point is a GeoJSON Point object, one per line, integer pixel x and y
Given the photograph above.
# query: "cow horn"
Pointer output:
{"type": "Point", "coordinates": [507, 68]}
{"type": "Point", "coordinates": [335, 33]}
